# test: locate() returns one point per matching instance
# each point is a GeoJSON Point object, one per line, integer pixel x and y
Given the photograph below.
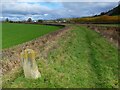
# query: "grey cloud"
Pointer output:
{"type": "Point", "coordinates": [36, 11]}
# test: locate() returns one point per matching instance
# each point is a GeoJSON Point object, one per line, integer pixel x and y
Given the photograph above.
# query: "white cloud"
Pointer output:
{"type": "Point", "coordinates": [24, 8]}
{"type": "Point", "coordinates": [45, 14]}
{"type": "Point", "coordinates": [36, 11]}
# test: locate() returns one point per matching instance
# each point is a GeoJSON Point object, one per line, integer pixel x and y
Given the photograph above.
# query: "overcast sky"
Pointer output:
{"type": "Point", "coordinates": [24, 9]}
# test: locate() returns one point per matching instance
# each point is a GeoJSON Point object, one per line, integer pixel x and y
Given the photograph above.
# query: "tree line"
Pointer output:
{"type": "Point", "coordinates": [29, 20]}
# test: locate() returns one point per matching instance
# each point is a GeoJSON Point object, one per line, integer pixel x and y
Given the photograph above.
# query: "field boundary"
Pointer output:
{"type": "Point", "coordinates": [11, 56]}
{"type": "Point", "coordinates": [110, 33]}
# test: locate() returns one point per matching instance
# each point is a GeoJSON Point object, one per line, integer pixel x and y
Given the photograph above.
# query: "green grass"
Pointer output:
{"type": "Point", "coordinates": [83, 59]}
{"type": "Point", "coordinates": [14, 34]}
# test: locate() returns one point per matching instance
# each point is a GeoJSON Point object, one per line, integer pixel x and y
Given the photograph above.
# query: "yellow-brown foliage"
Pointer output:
{"type": "Point", "coordinates": [104, 18]}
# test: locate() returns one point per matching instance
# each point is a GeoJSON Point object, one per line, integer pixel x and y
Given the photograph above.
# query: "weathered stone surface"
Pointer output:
{"type": "Point", "coordinates": [29, 64]}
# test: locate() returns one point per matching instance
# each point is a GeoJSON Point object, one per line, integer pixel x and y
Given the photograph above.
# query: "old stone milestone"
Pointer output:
{"type": "Point", "coordinates": [29, 64]}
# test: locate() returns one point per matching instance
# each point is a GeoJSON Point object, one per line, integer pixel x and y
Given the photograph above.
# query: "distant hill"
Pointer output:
{"type": "Point", "coordinates": [112, 12]}
{"type": "Point", "coordinates": [109, 17]}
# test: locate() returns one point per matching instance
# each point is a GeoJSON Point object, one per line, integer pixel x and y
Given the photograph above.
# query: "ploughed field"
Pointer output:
{"type": "Point", "coordinates": [82, 58]}
{"type": "Point", "coordinates": [14, 34]}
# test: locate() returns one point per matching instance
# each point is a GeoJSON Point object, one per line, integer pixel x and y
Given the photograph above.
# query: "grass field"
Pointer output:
{"type": "Point", "coordinates": [13, 34]}
{"type": "Point", "coordinates": [83, 59]}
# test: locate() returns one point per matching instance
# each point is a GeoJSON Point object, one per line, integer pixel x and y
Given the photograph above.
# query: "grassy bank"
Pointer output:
{"type": "Point", "coordinates": [82, 59]}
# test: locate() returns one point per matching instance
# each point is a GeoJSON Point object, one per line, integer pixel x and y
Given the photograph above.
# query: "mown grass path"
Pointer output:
{"type": "Point", "coordinates": [83, 59]}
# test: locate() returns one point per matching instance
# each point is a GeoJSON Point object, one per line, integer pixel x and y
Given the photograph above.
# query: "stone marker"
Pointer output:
{"type": "Point", "coordinates": [29, 64]}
